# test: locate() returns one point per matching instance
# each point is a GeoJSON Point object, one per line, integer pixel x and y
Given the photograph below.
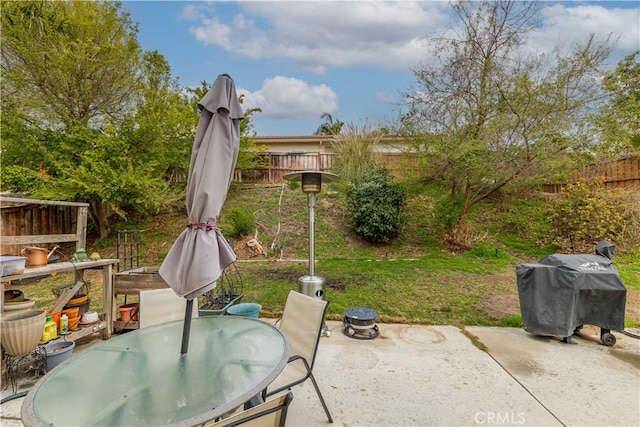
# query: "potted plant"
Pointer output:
{"type": "Point", "coordinates": [228, 291]}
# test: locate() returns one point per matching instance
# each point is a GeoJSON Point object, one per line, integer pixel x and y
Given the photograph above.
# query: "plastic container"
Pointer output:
{"type": "Point", "coordinates": [55, 316]}
{"type": "Point", "coordinates": [58, 352]}
{"type": "Point", "coordinates": [12, 265]}
{"type": "Point", "coordinates": [245, 309]}
{"type": "Point", "coordinates": [64, 324]}
{"type": "Point", "coordinates": [50, 330]}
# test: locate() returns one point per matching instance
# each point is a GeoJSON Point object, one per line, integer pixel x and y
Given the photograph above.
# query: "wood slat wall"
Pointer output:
{"type": "Point", "coordinates": [621, 173]}
{"type": "Point", "coordinates": [280, 164]}
{"type": "Point", "coordinates": [33, 220]}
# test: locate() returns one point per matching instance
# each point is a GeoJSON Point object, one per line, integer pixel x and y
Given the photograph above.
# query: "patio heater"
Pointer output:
{"type": "Point", "coordinates": [312, 181]}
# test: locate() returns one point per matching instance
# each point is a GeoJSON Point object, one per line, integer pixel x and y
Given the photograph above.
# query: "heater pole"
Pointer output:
{"type": "Point", "coordinates": [312, 220]}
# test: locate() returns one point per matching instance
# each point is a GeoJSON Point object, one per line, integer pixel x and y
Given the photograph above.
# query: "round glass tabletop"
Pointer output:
{"type": "Point", "coordinates": [140, 378]}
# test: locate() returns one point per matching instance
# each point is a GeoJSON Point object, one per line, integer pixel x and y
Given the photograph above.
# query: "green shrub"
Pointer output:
{"type": "Point", "coordinates": [447, 212]}
{"type": "Point", "coordinates": [586, 213]}
{"type": "Point", "coordinates": [242, 220]}
{"type": "Point", "coordinates": [375, 203]}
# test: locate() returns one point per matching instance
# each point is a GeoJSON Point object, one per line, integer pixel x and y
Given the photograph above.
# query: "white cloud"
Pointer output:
{"type": "Point", "coordinates": [287, 97]}
{"type": "Point", "coordinates": [565, 27]}
{"type": "Point", "coordinates": [315, 35]}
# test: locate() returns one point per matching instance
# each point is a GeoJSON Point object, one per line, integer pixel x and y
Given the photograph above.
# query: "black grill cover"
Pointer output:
{"type": "Point", "coordinates": [563, 292]}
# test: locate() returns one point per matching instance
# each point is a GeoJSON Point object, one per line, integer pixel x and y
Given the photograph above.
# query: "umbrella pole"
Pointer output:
{"type": "Point", "coordinates": [186, 329]}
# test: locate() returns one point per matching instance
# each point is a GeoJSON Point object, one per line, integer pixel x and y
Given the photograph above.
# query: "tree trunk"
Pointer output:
{"type": "Point", "coordinates": [99, 210]}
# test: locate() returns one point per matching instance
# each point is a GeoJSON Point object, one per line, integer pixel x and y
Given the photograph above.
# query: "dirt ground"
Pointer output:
{"type": "Point", "coordinates": [505, 304]}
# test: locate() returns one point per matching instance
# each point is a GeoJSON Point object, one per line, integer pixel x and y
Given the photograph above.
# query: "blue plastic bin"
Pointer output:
{"type": "Point", "coordinates": [245, 309]}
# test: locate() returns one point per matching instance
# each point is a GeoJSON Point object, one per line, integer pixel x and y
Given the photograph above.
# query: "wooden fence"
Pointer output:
{"type": "Point", "coordinates": [621, 173]}
{"type": "Point", "coordinates": [34, 219]}
{"type": "Point", "coordinates": [280, 164]}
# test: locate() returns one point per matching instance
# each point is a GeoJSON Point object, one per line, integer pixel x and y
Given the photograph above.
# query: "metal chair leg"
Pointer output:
{"type": "Point", "coordinates": [324, 405]}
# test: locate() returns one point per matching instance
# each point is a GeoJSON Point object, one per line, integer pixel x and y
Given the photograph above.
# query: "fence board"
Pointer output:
{"type": "Point", "coordinates": [621, 173]}
{"type": "Point", "coordinates": [33, 220]}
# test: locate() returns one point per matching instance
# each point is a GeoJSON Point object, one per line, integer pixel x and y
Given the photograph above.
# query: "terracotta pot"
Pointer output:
{"type": "Point", "coordinates": [21, 332]}
{"type": "Point", "coordinates": [129, 312]}
{"type": "Point", "coordinates": [73, 323]}
{"type": "Point", "coordinates": [78, 300]}
{"type": "Point", "coordinates": [71, 312]}
{"type": "Point", "coordinates": [83, 307]}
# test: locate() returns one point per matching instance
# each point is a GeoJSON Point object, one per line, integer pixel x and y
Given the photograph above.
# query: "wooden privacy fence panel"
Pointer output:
{"type": "Point", "coordinates": [621, 173]}
{"type": "Point", "coordinates": [36, 220]}
{"type": "Point", "coordinates": [280, 164]}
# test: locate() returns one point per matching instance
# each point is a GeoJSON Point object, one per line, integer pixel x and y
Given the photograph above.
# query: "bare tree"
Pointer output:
{"type": "Point", "coordinates": [487, 115]}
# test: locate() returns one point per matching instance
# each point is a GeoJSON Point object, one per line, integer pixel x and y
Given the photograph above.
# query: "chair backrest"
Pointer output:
{"type": "Point", "coordinates": [271, 413]}
{"type": "Point", "coordinates": [302, 322]}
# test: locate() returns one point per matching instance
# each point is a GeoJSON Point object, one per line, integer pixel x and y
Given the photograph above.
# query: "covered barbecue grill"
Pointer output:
{"type": "Point", "coordinates": [562, 293]}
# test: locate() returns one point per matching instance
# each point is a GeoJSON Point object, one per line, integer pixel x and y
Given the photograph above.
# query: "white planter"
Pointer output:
{"type": "Point", "coordinates": [21, 332]}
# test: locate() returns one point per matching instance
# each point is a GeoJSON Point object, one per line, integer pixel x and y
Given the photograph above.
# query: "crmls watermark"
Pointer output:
{"type": "Point", "coordinates": [499, 418]}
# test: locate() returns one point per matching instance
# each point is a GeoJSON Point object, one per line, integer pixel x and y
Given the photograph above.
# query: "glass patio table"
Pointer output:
{"type": "Point", "coordinates": [140, 378]}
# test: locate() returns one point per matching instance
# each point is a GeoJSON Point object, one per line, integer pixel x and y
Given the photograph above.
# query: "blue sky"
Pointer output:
{"type": "Point", "coordinates": [353, 59]}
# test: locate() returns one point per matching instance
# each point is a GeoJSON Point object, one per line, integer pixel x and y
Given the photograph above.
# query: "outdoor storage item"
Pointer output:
{"type": "Point", "coordinates": [37, 257]}
{"type": "Point", "coordinates": [562, 293]}
{"type": "Point", "coordinates": [246, 309]}
{"type": "Point", "coordinates": [57, 352]}
{"type": "Point", "coordinates": [12, 265]}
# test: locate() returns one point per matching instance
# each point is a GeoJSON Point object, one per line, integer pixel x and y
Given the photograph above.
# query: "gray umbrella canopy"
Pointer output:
{"type": "Point", "coordinates": [201, 253]}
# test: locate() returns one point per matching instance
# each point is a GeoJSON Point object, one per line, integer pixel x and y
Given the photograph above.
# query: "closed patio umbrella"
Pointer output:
{"type": "Point", "coordinates": [201, 253]}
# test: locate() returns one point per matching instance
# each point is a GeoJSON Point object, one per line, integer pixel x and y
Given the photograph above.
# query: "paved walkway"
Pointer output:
{"type": "Point", "coordinates": [414, 375]}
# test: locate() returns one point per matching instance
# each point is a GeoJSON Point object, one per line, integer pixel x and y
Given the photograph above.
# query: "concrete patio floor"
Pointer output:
{"type": "Point", "coordinates": [415, 375]}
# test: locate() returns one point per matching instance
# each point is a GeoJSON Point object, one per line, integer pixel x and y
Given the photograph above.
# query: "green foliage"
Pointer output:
{"type": "Point", "coordinates": [19, 179]}
{"type": "Point", "coordinates": [521, 225]}
{"type": "Point", "coordinates": [375, 204]}
{"type": "Point", "coordinates": [101, 243]}
{"type": "Point", "coordinates": [294, 185]}
{"type": "Point", "coordinates": [619, 119]}
{"type": "Point", "coordinates": [586, 213]}
{"type": "Point", "coordinates": [88, 117]}
{"type": "Point", "coordinates": [513, 321]}
{"type": "Point", "coordinates": [330, 126]}
{"type": "Point", "coordinates": [447, 211]}
{"type": "Point", "coordinates": [356, 154]}
{"type": "Point", "coordinates": [242, 221]}
{"type": "Point", "coordinates": [484, 118]}
{"type": "Point", "coordinates": [69, 62]}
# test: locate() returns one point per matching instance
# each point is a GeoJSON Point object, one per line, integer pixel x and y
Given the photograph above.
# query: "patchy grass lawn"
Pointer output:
{"type": "Point", "coordinates": [412, 279]}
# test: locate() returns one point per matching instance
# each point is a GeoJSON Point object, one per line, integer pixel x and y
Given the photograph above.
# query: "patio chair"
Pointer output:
{"type": "Point", "coordinates": [301, 323]}
{"type": "Point", "coordinates": [270, 413]}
